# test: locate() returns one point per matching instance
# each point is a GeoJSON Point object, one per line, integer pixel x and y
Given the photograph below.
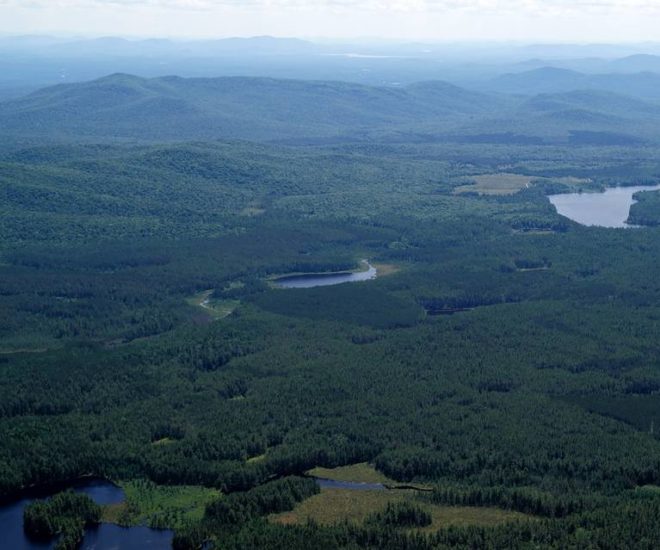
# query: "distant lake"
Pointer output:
{"type": "Point", "coordinates": [325, 279]}
{"type": "Point", "coordinates": [608, 209]}
{"type": "Point", "coordinates": [102, 537]}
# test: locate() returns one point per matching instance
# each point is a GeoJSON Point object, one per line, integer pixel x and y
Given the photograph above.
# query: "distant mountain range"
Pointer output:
{"type": "Point", "coordinates": [31, 62]}
{"type": "Point", "coordinates": [556, 80]}
{"type": "Point", "coordinates": [128, 107]}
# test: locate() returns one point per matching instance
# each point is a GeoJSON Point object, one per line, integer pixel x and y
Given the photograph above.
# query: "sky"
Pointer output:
{"type": "Point", "coordinates": [581, 21]}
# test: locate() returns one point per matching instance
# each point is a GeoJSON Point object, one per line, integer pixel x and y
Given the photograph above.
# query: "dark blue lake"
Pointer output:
{"type": "Point", "coordinates": [104, 537]}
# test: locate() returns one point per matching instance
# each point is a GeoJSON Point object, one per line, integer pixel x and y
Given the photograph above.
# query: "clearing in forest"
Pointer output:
{"type": "Point", "coordinates": [158, 506]}
{"type": "Point", "coordinates": [362, 472]}
{"type": "Point", "coordinates": [356, 473]}
{"type": "Point", "coordinates": [217, 309]}
{"type": "Point", "coordinates": [337, 505]}
{"type": "Point", "coordinates": [496, 184]}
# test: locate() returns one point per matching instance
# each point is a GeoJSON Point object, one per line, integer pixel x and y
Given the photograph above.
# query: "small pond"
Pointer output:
{"type": "Point", "coordinates": [353, 485]}
{"type": "Point", "coordinates": [608, 209]}
{"type": "Point", "coordinates": [325, 279]}
{"type": "Point", "coordinates": [103, 537]}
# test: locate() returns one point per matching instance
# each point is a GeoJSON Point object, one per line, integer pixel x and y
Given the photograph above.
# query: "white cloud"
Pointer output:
{"type": "Point", "coordinates": [503, 6]}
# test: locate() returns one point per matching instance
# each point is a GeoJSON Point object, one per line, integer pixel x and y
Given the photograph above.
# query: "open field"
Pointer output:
{"type": "Point", "coordinates": [337, 505]}
{"type": "Point", "coordinates": [217, 309]}
{"type": "Point", "coordinates": [163, 441]}
{"type": "Point", "coordinates": [250, 211]}
{"type": "Point", "coordinates": [254, 459]}
{"type": "Point", "coordinates": [358, 473]}
{"type": "Point", "coordinates": [496, 184]}
{"type": "Point", "coordinates": [386, 269]}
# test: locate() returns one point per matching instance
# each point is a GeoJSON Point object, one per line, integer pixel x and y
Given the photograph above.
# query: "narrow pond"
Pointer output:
{"type": "Point", "coordinates": [353, 485]}
{"type": "Point", "coordinates": [325, 279]}
{"type": "Point", "coordinates": [106, 536]}
{"type": "Point", "coordinates": [608, 209]}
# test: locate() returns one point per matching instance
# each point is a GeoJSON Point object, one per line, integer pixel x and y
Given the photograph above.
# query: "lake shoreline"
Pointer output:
{"type": "Point", "coordinates": [103, 535]}
{"type": "Point", "coordinates": [44, 490]}
{"type": "Point", "coordinates": [609, 208]}
{"type": "Point", "coordinates": [311, 280]}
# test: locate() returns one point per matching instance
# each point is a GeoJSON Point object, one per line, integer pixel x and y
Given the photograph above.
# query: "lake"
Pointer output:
{"type": "Point", "coordinates": [325, 279]}
{"type": "Point", "coordinates": [608, 209]}
{"type": "Point", "coordinates": [103, 537]}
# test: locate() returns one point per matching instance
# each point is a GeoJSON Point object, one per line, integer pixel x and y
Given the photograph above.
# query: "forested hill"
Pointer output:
{"type": "Point", "coordinates": [645, 84]}
{"type": "Point", "coordinates": [173, 108]}
{"type": "Point", "coordinates": [245, 108]}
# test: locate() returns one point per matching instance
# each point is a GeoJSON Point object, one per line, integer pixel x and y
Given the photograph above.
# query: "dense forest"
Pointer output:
{"type": "Point", "coordinates": [504, 358]}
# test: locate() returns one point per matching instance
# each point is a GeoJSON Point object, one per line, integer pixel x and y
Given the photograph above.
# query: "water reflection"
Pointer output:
{"type": "Point", "coordinates": [325, 279]}
{"type": "Point", "coordinates": [608, 209]}
{"type": "Point", "coordinates": [103, 537]}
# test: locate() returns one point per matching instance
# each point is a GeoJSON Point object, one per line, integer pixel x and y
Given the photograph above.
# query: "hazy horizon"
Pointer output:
{"type": "Point", "coordinates": [554, 21]}
{"type": "Point", "coordinates": [65, 35]}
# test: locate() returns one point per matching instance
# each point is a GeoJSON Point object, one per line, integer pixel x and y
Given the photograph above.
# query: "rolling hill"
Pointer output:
{"type": "Point", "coordinates": [556, 80]}
{"type": "Point", "coordinates": [124, 107]}
{"type": "Point", "coordinates": [173, 108]}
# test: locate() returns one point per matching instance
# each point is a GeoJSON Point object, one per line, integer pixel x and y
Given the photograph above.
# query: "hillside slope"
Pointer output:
{"type": "Point", "coordinates": [641, 84]}
{"type": "Point", "coordinates": [124, 106]}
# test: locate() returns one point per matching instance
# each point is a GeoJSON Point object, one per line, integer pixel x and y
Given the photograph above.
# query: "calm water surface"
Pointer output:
{"type": "Point", "coordinates": [113, 537]}
{"type": "Point", "coordinates": [332, 484]}
{"type": "Point", "coordinates": [608, 209]}
{"type": "Point", "coordinates": [103, 537]}
{"type": "Point", "coordinates": [326, 279]}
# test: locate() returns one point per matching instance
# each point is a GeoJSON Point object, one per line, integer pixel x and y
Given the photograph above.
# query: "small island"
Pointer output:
{"type": "Point", "coordinates": [64, 515]}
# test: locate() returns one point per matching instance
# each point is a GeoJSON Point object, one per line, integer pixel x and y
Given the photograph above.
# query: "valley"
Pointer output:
{"type": "Point", "coordinates": [299, 313]}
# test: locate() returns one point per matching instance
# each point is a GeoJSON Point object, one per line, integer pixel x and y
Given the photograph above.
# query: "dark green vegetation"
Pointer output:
{"type": "Point", "coordinates": [629, 525]}
{"type": "Point", "coordinates": [402, 514]}
{"type": "Point", "coordinates": [646, 211]}
{"type": "Point", "coordinates": [227, 516]}
{"type": "Point", "coordinates": [537, 395]}
{"type": "Point", "coordinates": [65, 515]}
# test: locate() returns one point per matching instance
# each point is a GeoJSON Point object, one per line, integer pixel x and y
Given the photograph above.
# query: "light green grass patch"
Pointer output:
{"type": "Point", "coordinates": [337, 505]}
{"type": "Point", "coordinates": [362, 472]}
{"type": "Point", "coordinates": [218, 309]}
{"type": "Point", "coordinates": [572, 180]}
{"type": "Point", "coordinates": [386, 269]}
{"type": "Point", "coordinates": [163, 441]}
{"type": "Point", "coordinates": [653, 489]}
{"type": "Point", "coordinates": [251, 211]}
{"type": "Point", "coordinates": [496, 184]}
{"type": "Point", "coordinates": [159, 506]}
{"type": "Point", "coordinates": [258, 458]}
